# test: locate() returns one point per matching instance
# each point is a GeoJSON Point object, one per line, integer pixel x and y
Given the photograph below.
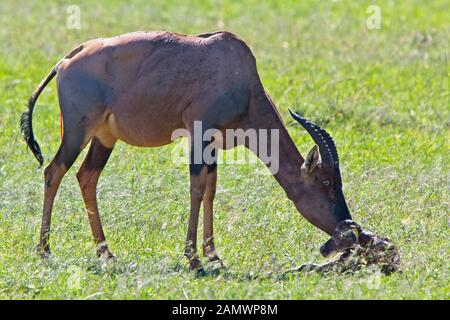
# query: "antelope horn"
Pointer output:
{"type": "Point", "coordinates": [327, 147]}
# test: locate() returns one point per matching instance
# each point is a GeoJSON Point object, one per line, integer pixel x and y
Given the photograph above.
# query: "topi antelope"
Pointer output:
{"type": "Point", "coordinates": [140, 87]}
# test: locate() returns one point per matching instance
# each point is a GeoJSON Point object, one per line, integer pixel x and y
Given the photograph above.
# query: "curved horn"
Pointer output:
{"type": "Point", "coordinates": [322, 138]}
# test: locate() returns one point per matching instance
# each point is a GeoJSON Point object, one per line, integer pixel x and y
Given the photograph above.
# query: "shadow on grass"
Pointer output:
{"type": "Point", "coordinates": [174, 268]}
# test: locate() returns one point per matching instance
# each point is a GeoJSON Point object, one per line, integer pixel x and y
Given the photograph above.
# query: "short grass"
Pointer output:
{"type": "Point", "coordinates": [383, 94]}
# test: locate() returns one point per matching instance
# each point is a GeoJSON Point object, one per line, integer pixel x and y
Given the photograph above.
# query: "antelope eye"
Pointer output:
{"type": "Point", "coordinates": [326, 183]}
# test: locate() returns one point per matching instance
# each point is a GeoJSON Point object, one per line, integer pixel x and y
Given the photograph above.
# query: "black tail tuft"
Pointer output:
{"type": "Point", "coordinates": [26, 127]}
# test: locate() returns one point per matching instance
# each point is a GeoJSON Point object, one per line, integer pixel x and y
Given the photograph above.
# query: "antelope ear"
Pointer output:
{"type": "Point", "coordinates": [311, 161]}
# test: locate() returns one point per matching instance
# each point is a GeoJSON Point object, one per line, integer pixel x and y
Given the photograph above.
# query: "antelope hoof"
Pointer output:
{"type": "Point", "coordinates": [196, 266]}
{"type": "Point", "coordinates": [43, 251]}
{"type": "Point", "coordinates": [212, 255]}
{"type": "Point", "coordinates": [216, 259]}
{"type": "Point", "coordinates": [105, 255]}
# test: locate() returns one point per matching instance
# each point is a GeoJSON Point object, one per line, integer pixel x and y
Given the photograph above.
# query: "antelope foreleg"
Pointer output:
{"type": "Point", "coordinates": [197, 192]}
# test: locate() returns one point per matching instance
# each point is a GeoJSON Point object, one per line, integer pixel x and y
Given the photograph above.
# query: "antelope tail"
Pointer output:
{"type": "Point", "coordinates": [26, 120]}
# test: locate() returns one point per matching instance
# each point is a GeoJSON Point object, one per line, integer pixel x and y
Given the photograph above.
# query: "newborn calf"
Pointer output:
{"type": "Point", "coordinates": [356, 248]}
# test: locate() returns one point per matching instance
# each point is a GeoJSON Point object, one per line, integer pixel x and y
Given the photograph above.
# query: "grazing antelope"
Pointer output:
{"type": "Point", "coordinates": [140, 87]}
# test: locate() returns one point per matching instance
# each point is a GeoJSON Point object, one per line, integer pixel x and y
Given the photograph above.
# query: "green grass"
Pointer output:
{"type": "Point", "coordinates": [383, 94]}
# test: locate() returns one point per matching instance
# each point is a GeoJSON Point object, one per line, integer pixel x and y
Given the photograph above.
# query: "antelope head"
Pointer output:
{"type": "Point", "coordinates": [320, 198]}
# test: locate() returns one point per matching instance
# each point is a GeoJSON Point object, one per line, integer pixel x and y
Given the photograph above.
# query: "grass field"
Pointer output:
{"type": "Point", "coordinates": [383, 94]}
